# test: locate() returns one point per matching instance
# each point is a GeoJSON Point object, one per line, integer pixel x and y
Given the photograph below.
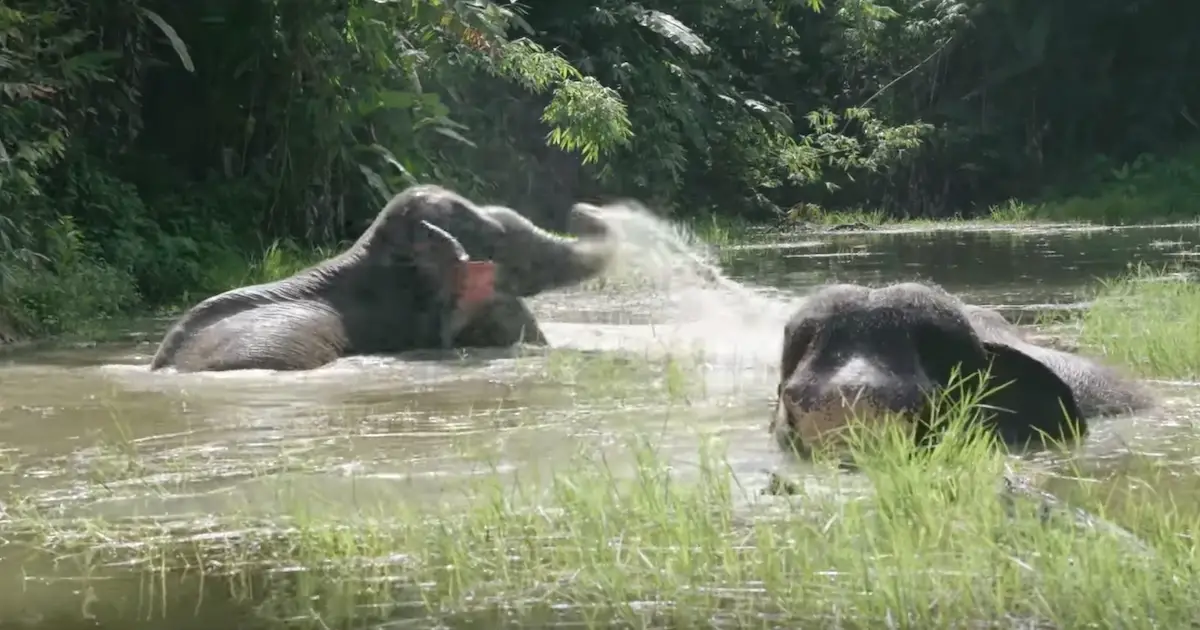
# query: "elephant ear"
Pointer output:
{"type": "Point", "coordinates": [1032, 400]}
{"type": "Point", "coordinates": [434, 245]}
{"type": "Point", "coordinates": [438, 255]}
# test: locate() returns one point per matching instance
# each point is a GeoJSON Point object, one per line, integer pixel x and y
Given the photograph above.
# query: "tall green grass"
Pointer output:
{"type": "Point", "coordinates": [278, 260]}
{"type": "Point", "coordinates": [1146, 190]}
{"type": "Point", "coordinates": [1148, 321]}
{"type": "Point", "coordinates": [917, 540]}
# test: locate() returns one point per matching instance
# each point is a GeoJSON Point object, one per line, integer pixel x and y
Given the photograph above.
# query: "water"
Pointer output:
{"type": "Point", "coordinates": [669, 342]}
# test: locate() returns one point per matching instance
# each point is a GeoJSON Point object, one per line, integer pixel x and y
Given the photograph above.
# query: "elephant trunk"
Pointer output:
{"type": "Point", "coordinates": [535, 260]}
{"type": "Point", "coordinates": [567, 263]}
{"type": "Point", "coordinates": [585, 221]}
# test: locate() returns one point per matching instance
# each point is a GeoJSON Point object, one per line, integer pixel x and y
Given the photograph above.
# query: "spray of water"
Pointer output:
{"type": "Point", "coordinates": [668, 284]}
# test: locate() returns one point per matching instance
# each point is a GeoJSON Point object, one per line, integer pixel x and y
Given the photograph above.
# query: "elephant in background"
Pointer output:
{"type": "Point", "coordinates": [401, 286]}
{"type": "Point", "coordinates": [852, 351]}
{"type": "Point", "coordinates": [396, 289]}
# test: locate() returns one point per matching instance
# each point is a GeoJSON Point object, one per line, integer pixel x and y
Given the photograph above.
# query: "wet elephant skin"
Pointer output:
{"type": "Point", "coordinates": [394, 290]}
{"type": "Point", "coordinates": [382, 295]}
{"type": "Point", "coordinates": [851, 351]}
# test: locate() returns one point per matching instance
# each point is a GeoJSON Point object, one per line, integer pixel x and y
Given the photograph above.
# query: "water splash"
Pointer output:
{"type": "Point", "coordinates": [665, 286]}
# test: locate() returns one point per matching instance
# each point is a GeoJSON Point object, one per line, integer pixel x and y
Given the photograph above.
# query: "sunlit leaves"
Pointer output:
{"type": "Point", "coordinates": [587, 117]}
{"type": "Point", "coordinates": [584, 115]}
{"type": "Point", "coordinates": [532, 66]}
{"type": "Point", "coordinates": [852, 141]}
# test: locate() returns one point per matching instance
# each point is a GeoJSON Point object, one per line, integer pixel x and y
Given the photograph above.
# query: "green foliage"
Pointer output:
{"type": "Point", "coordinates": [1146, 320]}
{"type": "Point", "coordinates": [708, 131]}
{"type": "Point", "coordinates": [598, 115]}
{"type": "Point", "coordinates": [175, 141]}
{"type": "Point", "coordinates": [1147, 188]}
{"type": "Point", "coordinates": [167, 162]}
{"type": "Point", "coordinates": [64, 287]}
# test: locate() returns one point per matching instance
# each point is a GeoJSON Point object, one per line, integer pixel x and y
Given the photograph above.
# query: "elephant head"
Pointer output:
{"type": "Point", "coordinates": [439, 256]}
{"type": "Point", "coordinates": [466, 287]}
{"type": "Point", "coordinates": [529, 260]}
{"type": "Point", "coordinates": [461, 286]}
{"type": "Point", "coordinates": [852, 352]}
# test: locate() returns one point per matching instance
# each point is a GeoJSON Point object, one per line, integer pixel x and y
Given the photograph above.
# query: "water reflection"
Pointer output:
{"type": "Point", "coordinates": [1014, 268]}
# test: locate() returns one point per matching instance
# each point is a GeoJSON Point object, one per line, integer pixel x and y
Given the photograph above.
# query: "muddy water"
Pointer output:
{"type": "Point", "coordinates": [674, 342]}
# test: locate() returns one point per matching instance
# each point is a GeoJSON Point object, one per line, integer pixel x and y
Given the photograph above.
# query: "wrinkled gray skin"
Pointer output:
{"type": "Point", "coordinates": [852, 351]}
{"type": "Point", "coordinates": [529, 260]}
{"type": "Point", "coordinates": [395, 289]}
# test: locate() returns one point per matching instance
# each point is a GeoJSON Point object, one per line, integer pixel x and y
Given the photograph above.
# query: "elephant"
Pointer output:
{"type": "Point", "coordinates": [401, 286]}
{"type": "Point", "coordinates": [394, 289]}
{"type": "Point", "coordinates": [851, 351]}
{"type": "Point", "coordinates": [529, 260]}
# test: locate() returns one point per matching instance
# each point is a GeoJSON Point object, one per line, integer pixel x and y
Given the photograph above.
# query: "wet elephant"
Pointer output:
{"type": "Point", "coordinates": [529, 260]}
{"type": "Point", "coordinates": [399, 287]}
{"type": "Point", "coordinates": [384, 295]}
{"type": "Point", "coordinates": [851, 351]}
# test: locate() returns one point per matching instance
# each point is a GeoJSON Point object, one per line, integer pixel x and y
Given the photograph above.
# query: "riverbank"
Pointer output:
{"type": "Point", "coordinates": [1148, 191]}
{"type": "Point", "coordinates": [55, 303]}
{"type": "Point", "coordinates": [87, 301]}
{"type": "Point", "coordinates": [721, 232]}
{"type": "Point", "coordinates": [72, 293]}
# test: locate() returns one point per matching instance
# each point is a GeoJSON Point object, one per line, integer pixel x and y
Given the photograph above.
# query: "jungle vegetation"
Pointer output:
{"type": "Point", "coordinates": [151, 151]}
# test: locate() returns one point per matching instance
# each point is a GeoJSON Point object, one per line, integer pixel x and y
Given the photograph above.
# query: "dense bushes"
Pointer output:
{"type": "Point", "coordinates": [150, 148]}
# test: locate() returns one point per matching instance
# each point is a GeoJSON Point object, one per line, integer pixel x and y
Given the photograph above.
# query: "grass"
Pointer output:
{"type": "Point", "coordinates": [638, 541]}
{"type": "Point", "coordinates": [1148, 320]}
{"type": "Point", "coordinates": [81, 297]}
{"type": "Point", "coordinates": [1148, 189]}
{"type": "Point", "coordinates": [89, 305]}
{"type": "Point", "coordinates": [1012, 211]}
{"type": "Point", "coordinates": [280, 259]}
{"type": "Point", "coordinates": [720, 231]}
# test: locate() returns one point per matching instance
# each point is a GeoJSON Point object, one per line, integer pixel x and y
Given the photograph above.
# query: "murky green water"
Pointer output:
{"type": "Point", "coordinates": [656, 347]}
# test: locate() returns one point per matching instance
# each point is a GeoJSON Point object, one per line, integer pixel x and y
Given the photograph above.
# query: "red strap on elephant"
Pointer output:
{"type": "Point", "coordinates": [476, 282]}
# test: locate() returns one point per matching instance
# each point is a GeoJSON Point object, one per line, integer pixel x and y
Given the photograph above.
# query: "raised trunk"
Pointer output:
{"type": "Point", "coordinates": [533, 260]}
